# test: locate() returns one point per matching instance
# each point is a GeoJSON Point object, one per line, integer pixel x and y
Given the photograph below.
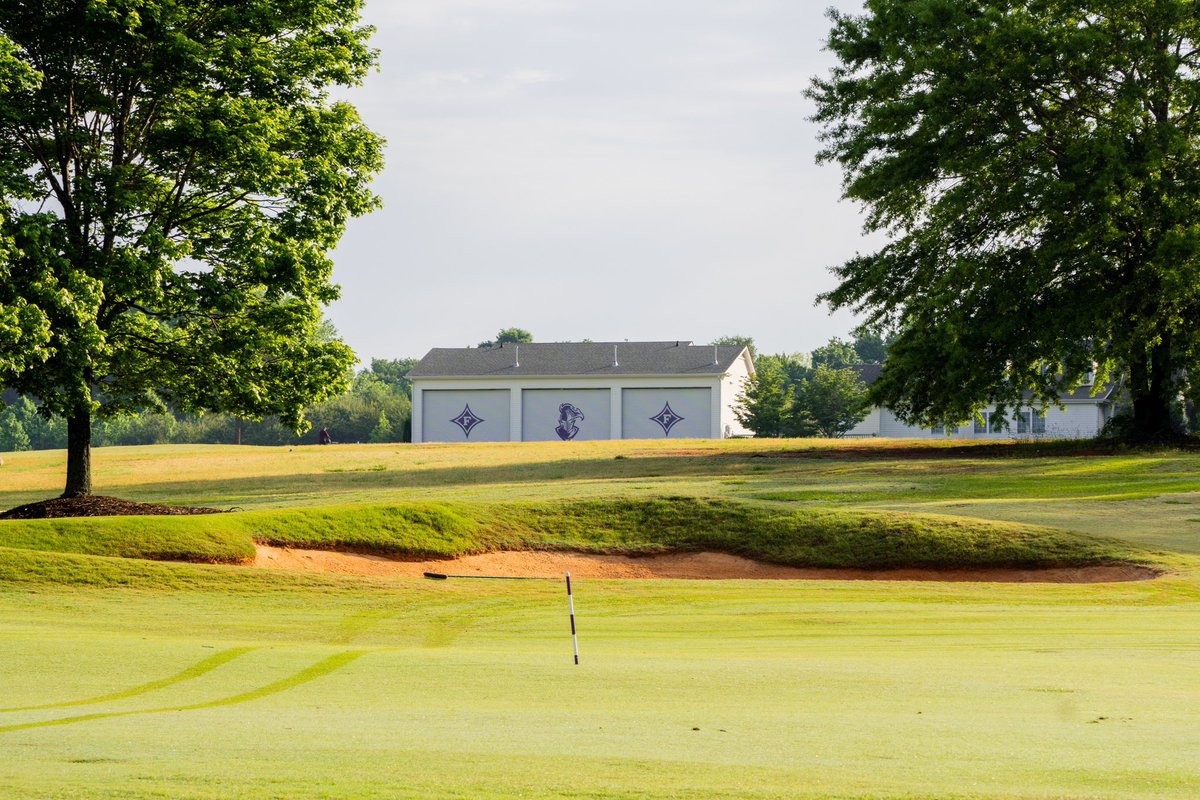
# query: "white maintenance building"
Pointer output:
{"type": "Point", "coordinates": [578, 391]}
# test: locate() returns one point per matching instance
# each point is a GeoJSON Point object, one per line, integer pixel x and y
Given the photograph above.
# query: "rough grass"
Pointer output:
{"type": "Point", "coordinates": [812, 537]}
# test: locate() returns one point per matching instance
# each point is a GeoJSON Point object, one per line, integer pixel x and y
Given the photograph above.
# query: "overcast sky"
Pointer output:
{"type": "Point", "coordinates": [599, 169]}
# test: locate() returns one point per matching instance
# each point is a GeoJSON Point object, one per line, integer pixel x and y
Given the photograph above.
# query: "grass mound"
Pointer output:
{"type": "Point", "coordinates": [809, 537]}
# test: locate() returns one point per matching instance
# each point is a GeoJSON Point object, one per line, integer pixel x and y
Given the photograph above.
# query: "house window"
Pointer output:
{"type": "Point", "coordinates": [981, 422]}
{"type": "Point", "coordinates": [995, 422]}
{"type": "Point", "coordinates": [1022, 418]}
{"type": "Point", "coordinates": [936, 429]}
{"type": "Point", "coordinates": [1089, 378]}
{"type": "Point", "coordinates": [1039, 421]}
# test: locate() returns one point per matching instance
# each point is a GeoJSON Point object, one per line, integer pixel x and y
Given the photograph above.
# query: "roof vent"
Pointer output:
{"type": "Point", "coordinates": [715, 361]}
{"type": "Point", "coordinates": [615, 363]}
{"type": "Point", "coordinates": [516, 355]}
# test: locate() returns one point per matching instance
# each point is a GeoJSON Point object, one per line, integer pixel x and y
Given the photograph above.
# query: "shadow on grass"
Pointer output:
{"type": "Point", "coordinates": [937, 470]}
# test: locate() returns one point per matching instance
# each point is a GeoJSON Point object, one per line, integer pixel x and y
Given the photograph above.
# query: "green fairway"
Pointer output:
{"type": "Point", "coordinates": [127, 678]}
{"type": "Point", "coordinates": [467, 689]}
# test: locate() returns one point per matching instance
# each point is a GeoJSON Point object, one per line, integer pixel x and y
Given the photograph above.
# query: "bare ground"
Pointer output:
{"type": "Point", "coordinates": [695, 566]}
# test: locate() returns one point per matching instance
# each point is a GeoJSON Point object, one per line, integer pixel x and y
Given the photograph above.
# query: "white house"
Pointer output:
{"type": "Point", "coordinates": [1082, 416]}
{"type": "Point", "coordinates": [578, 391]}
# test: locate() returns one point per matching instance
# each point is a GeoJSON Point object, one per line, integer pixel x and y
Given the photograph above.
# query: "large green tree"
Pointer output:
{"type": "Point", "coordinates": [1036, 167]}
{"type": "Point", "coordinates": [831, 401]}
{"type": "Point", "coordinates": [173, 177]}
{"type": "Point", "coordinates": [764, 404]}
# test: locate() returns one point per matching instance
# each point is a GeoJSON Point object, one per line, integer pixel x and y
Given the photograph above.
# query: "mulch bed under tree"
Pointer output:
{"type": "Point", "coordinates": [98, 506]}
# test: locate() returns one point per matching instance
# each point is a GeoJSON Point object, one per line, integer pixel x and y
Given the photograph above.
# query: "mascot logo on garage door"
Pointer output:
{"type": "Point", "coordinates": [568, 415]}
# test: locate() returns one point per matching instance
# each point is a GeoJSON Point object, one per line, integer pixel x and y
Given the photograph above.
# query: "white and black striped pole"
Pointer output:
{"type": "Point", "coordinates": [571, 605]}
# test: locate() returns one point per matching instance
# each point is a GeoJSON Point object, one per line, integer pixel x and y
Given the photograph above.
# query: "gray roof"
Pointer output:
{"type": "Point", "coordinates": [577, 358]}
{"type": "Point", "coordinates": [869, 373]}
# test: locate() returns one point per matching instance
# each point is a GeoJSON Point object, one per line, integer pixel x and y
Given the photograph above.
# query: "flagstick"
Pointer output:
{"type": "Point", "coordinates": [571, 605]}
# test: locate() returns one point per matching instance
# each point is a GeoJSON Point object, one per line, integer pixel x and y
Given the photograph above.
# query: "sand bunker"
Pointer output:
{"type": "Point", "coordinates": [696, 566]}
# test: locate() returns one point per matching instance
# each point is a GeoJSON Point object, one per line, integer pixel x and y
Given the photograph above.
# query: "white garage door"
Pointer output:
{"type": "Point", "coordinates": [567, 414]}
{"type": "Point", "coordinates": [465, 416]}
{"type": "Point", "coordinates": [666, 413]}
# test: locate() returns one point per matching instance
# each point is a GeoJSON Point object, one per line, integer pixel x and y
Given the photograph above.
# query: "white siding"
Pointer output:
{"type": "Point", "coordinates": [731, 386]}
{"type": "Point", "coordinates": [868, 427]}
{"type": "Point", "coordinates": [1074, 421]}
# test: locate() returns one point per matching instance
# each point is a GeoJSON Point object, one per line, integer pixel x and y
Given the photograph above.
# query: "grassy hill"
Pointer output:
{"type": "Point", "coordinates": [811, 537]}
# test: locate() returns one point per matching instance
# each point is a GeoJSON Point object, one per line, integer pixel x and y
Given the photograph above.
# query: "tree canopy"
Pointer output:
{"type": "Point", "coordinates": [173, 178]}
{"type": "Point", "coordinates": [509, 336]}
{"type": "Point", "coordinates": [1036, 167]}
{"type": "Point", "coordinates": [836, 353]}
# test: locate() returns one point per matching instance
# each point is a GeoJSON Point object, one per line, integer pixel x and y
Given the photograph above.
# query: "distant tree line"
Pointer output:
{"type": "Point", "coordinates": [808, 394]}
{"type": "Point", "coordinates": [376, 408]}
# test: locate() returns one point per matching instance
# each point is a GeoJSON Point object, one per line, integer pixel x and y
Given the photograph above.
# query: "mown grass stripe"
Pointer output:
{"type": "Point", "coordinates": [202, 667]}
{"type": "Point", "coordinates": [318, 670]}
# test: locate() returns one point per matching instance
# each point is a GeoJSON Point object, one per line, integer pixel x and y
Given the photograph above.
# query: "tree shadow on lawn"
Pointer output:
{"type": "Point", "coordinates": [335, 484]}
{"type": "Point", "coordinates": [754, 470]}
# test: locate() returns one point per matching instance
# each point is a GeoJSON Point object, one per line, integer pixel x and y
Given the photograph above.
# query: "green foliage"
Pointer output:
{"type": "Point", "coordinates": [12, 433]}
{"type": "Point", "coordinates": [871, 348]}
{"type": "Point", "coordinates": [764, 402]}
{"type": "Point", "coordinates": [393, 372]}
{"type": "Point", "coordinates": [193, 175]}
{"type": "Point", "coordinates": [44, 434]}
{"type": "Point", "coordinates": [1037, 167]}
{"type": "Point", "coordinates": [837, 353]}
{"type": "Point", "coordinates": [354, 416]}
{"type": "Point", "coordinates": [509, 336]}
{"type": "Point", "coordinates": [382, 432]}
{"type": "Point", "coordinates": [831, 401]}
{"type": "Point", "coordinates": [826, 401]}
{"type": "Point", "coordinates": [794, 366]}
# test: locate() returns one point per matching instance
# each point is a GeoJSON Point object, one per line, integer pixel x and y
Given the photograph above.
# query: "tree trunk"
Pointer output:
{"type": "Point", "coordinates": [79, 454]}
{"type": "Point", "coordinates": [1151, 389]}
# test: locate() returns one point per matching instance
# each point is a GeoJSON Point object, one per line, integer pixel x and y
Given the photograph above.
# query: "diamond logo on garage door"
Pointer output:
{"type": "Point", "coordinates": [667, 418]}
{"type": "Point", "coordinates": [467, 420]}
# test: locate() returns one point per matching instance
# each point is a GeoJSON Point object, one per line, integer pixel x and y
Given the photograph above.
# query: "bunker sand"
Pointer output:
{"type": "Point", "coordinates": [693, 566]}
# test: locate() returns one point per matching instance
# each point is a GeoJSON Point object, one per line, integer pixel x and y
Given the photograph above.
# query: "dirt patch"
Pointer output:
{"type": "Point", "coordinates": [98, 506]}
{"type": "Point", "coordinates": [695, 566]}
